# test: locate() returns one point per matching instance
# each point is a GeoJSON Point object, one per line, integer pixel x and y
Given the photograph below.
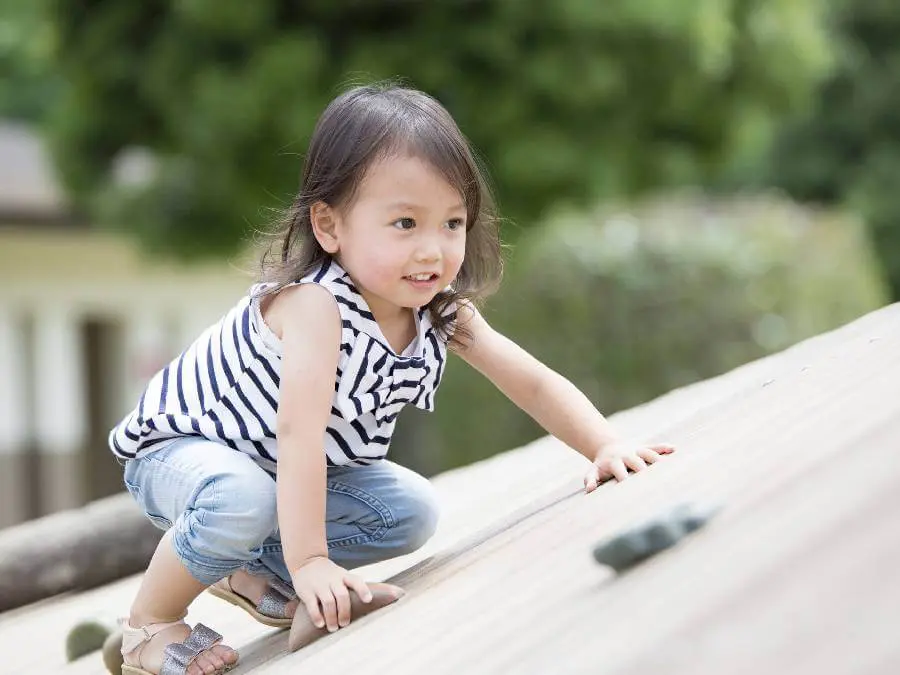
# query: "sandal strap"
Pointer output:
{"type": "Point", "coordinates": [273, 604]}
{"type": "Point", "coordinates": [284, 588]}
{"type": "Point", "coordinates": [178, 656]}
{"type": "Point", "coordinates": [202, 637]}
{"type": "Point", "coordinates": [132, 638]}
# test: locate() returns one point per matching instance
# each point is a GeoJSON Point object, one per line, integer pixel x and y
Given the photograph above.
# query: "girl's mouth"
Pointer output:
{"type": "Point", "coordinates": [424, 280]}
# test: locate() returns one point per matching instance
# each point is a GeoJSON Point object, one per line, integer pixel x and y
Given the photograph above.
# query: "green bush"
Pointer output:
{"type": "Point", "coordinates": [631, 303]}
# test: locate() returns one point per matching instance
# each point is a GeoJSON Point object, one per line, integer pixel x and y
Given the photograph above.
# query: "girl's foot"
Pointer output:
{"type": "Point", "coordinates": [253, 588]}
{"type": "Point", "coordinates": [144, 648]}
{"type": "Point", "coordinates": [268, 602]}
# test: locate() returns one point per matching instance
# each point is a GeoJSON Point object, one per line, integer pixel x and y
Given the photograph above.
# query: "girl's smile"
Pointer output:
{"type": "Point", "coordinates": [424, 282]}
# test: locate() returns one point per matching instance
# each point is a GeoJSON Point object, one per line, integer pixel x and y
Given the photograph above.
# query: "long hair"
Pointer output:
{"type": "Point", "coordinates": [358, 128]}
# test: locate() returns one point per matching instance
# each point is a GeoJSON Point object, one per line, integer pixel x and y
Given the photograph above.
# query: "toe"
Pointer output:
{"type": "Point", "coordinates": [204, 663]}
{"type": "Point", "coordinates": [214, 658]}
{"type": "Point", "coordinates": [227, 654]}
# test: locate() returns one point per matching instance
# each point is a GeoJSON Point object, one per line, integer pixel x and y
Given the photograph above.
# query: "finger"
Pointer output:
{"type": "Point", "coordinates": [618, 470]}
{"type": "Point", "coordinates": [592, 479]}
{"type": "Point", "coordinates": [663, 448]}
{"type": "Point", "coordinates": [603, 472]}
{"type": "Point", "coordinates": [360, 587]}
{"type": "Point", "coordinates": [311, 603]}
{"type": "Point", "coordinates": [329, 608]}
{"type": "Point", "coordinates": [648, 455]}
{"type": "Point", "coordinates": [342, 599]}
{"type": "Point", "coordinates": [634, 463]}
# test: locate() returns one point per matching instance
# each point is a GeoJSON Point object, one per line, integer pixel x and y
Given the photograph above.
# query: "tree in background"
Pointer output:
{"type": "Point", "coordinates": [28, 86]}
{"type": "Point", "coordinates": [846, 149]}
{"type": "Point", "coordinates": [569, 100]}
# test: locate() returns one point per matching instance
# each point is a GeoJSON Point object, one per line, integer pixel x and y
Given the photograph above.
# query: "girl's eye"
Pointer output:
{"type": "Point", "coordinates": [455, 224]}
{"type": "Point", "coordinates": [404, 224]}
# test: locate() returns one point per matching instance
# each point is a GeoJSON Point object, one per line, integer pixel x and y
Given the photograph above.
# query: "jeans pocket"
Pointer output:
{"type": "Point", "coordinates": [159, 521]}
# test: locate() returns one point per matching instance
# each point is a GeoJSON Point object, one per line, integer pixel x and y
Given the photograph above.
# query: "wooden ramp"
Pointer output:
{"type": "Point", "coordinates": [799, 572]}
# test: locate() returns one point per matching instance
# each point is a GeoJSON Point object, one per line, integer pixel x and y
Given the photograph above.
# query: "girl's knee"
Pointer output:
{"type": "Point", "coordinates": [235, 512]}
{"type": "Point", "coordinates": [415, 519]}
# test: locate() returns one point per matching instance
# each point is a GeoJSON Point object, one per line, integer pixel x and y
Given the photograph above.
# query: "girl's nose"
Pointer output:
{"type": "Point", "coordinates": [428, 250]}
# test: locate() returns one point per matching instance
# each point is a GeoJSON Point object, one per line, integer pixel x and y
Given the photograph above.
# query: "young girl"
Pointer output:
{"type": "Point", "coordinates": [261, 449]}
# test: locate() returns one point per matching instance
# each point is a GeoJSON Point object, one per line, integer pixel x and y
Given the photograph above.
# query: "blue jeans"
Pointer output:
{"type": "Point", "coordinates": [221, 508]}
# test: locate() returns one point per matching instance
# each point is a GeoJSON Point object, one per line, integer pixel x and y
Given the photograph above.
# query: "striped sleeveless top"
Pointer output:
{"type": "Point", "coordinates": [224, 387]}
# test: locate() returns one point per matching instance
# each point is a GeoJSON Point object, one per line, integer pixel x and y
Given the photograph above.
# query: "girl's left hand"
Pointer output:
{"type": "Point", "coordinates": [614, 460]}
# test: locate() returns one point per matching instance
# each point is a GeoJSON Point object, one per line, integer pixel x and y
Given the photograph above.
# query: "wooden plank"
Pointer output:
{"type": "Point", "coordinates": [529, 600]}
{"type": "Point", "coordinates": [797, 574]}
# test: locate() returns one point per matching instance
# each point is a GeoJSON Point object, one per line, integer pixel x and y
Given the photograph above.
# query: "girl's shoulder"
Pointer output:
{"type": "Point", "coordinates": [301, 304]}
{"type": "Point", "coordinates": [304, 301]}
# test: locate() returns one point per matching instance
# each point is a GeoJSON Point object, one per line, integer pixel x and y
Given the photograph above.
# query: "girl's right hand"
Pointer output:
{"type": "Point", "coordinates": [323, 588]}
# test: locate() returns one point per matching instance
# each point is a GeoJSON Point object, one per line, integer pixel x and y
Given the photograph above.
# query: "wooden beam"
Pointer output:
{"type": "Point", "coordinates": [74, 550]}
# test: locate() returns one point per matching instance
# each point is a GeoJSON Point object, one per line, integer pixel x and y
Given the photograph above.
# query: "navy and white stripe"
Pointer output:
{"type": "Point", "coordinates": [224, 387]}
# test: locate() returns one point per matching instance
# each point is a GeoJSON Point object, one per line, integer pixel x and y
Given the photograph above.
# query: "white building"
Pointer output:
{"type": "Point", "coordinates": [85, 319]}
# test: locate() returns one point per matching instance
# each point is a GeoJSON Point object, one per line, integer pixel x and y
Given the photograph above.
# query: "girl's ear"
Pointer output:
{"type": "Point", "coordinates": [324, 221]}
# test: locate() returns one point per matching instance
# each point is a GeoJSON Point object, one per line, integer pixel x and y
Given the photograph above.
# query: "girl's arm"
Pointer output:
{"type": "Point", "coordinates": [309, 324]}
{"type": "Point", "coordinates": [552, 401]}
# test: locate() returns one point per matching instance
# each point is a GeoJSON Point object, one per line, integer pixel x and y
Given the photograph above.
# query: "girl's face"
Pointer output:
{"type": "Point", "coordinates": [403, 238]}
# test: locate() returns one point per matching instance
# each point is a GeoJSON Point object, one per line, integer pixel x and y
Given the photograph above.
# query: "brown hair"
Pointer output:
{"type": "Point", "coordinates": [366, 124]}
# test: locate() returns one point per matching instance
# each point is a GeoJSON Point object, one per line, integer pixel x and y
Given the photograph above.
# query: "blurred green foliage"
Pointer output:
{"type": "Point", "coordinates": [572, 103]}
{"type": "Point", "coordinates": [569, 100]}
{"type": "Point", "coordinates": [28, 84]}
{"type": "Point", "coordinates": [630, 303]}
{"type": "Point", "coordinates": [846, 148]}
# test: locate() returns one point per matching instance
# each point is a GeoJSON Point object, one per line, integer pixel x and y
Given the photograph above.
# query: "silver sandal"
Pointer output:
{"type": "Point", "coordinates": [178, 655]}
{"type": "Point", "coordinates": [271, 610]}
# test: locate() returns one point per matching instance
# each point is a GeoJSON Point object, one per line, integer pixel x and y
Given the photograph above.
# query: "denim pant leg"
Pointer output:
{"type": "Point", "coordinates": [218, 502]}
{"type": "Point", "coordinates": [372, 513]}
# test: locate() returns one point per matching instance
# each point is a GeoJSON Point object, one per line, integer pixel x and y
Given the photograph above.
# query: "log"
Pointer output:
{"type": "Point", "coordinates": [74, 550]}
